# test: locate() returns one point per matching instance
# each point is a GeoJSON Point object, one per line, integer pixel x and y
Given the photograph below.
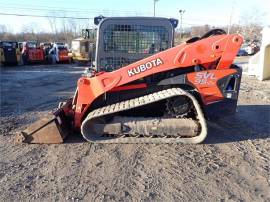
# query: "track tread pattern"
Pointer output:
{"type": "Point", "coordinates": [138, 102]}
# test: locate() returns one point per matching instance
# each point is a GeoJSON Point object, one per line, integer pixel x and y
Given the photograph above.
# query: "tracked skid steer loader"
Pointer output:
{"type": "Point", "coordinates": [164, 94]}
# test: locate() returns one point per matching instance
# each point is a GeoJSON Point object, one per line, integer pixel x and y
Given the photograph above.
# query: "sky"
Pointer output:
{"type": "Point", "coordinates": [212, 12]}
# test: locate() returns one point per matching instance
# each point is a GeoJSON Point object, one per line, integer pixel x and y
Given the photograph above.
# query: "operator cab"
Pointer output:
{"type": "Point", "coordinates": [31, 44]}
{"type": "Point", "coordinates": [124, 40]}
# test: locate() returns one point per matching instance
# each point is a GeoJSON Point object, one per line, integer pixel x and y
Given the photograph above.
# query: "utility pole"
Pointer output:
{"type": "Point", "coordinates": [230, 19]}
{"type": "Point", "coordinates": [181, 21]}
{"type": "Point", "coordinates": [230, 22]}
{"type": "Point", "coordinates": [154, 1]}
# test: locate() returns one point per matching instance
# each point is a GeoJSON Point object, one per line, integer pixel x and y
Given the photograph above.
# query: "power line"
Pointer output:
{"type": "Point", "coordinates": [201, 24]}
{"type": "Point", "coordinates": [81, 11]}
{"type": "Point", "coordinates": [62, 9]}
{"type": "Point", "coordinates": [41, 9]}
{"type": "Point", "coordinates": [46, 16]}
{"type": "Point", "coordinates": [204, 20]}
{"type": "Point", "coordinates": [188, 22]}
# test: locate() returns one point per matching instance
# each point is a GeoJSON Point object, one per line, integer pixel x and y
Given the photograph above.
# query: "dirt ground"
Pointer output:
{"type": "Point", "coordinates": [233, 164]}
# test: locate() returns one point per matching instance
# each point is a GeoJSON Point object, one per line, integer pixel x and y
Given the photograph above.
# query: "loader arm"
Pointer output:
{"type": "Point", "coordinates": [219, 50]}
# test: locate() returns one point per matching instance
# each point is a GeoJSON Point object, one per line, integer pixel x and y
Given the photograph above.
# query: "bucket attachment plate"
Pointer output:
{"type": "Point", "coordinates": [49, 130]}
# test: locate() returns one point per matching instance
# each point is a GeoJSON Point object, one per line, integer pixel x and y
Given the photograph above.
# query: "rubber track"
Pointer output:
{"type": "Point", "coordinates": [144, 100]}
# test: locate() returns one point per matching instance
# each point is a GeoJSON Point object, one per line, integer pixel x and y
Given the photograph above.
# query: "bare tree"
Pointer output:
{"type": "Point", "coordinates": [73, 26]}
{"type": "Point", "coordinates": [251, 24]}
{"type": "Point", "coordinates": [3, 28]}
{"type": "Point", "coordinates": [53, 24]}
{"type": "Point", "coordinates": [199, 30]}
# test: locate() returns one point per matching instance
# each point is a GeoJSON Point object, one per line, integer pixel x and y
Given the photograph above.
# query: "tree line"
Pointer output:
{"type": "Point", "coordinates": [67, 33]}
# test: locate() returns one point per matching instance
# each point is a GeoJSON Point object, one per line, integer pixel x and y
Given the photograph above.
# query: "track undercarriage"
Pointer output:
{"type": "Point", "coordinates": [111, 124]}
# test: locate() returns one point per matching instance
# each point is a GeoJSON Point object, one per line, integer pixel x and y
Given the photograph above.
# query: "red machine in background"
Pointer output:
{"type": "Point", "coordinates": [32, 53]}
{"type": "Point", "coordinates": [58, 53]}
{"type": "Point", "coordinates": [62, 53]}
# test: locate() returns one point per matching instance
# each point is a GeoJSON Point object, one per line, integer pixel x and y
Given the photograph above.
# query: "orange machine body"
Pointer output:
{"type": "Point", "coordinates": [214, 55]}
{"type": "Point", "coordinates": [63, 55]}
{"type": "Point", "coordinates": [36, 55]}
{"type": "Point", "coordinates": [32, 53]}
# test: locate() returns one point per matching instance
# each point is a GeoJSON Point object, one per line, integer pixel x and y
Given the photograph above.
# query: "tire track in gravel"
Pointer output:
{"type": "Point", "coordinates": [180, 161]}
{"type": "Point", "coordinates": [253, 153]}
{"type": "Point", "coordinates": [119, 172]}
{"type": "Point", "coordinates": [165, 168]}
{"type": "Point", "coordinates": [139, 177]}
{"type": "Point", "coordinates": [66, 170]}
{"type": "Point", "coordinates": [247, 176]}
{"type": "Point", "coordinates": [20, 170]}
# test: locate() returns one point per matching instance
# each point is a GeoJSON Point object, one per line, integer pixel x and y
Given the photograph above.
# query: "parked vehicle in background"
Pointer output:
{"type": "Point", "coordinates": [58, 53]}
{"type": "Point", "coordinates": [255, 47]}
{"type": "Point", "coordinates": [9, 53]}
{"type": "Point", "coordinates": [83, 48]}
{"type": "Point", "coordinates": [251, 48]}
{"type": "Point", "coordinates": [46, 46]}
{"type": "Point", "coordinates": [242, 52]}
{"type": "Point", "coordinates": [62, 53]}
{"type": "Point", "coordinates": [32, 53]}
{"type": "Point", "coordinates": [20, 45]}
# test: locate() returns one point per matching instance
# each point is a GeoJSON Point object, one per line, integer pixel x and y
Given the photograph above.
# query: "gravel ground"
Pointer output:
{"type": "Point", "coordinates": [233, 164]}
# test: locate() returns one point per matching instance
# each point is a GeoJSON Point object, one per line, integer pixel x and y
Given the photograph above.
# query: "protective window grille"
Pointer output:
{"type": "Point", "coordinates": [136, 41]}
{"type": "Point", "coordinates": [111, 63]}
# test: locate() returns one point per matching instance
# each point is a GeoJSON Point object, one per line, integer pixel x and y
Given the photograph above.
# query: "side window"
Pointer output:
{"type": "Point", "coordinates": [14, 45]}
